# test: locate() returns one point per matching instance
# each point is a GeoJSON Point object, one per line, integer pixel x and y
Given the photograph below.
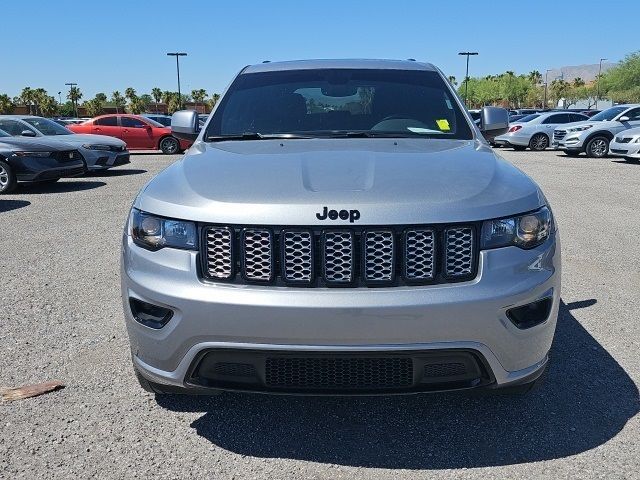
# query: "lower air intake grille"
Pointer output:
{"type": "Point", "coordinates": [444, 370]}
{"type": "Point", "coordinates": [339, 373]}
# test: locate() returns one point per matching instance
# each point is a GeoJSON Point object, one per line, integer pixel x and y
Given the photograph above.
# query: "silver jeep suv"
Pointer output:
{"type": "Point", "coordinates": [340, 227]}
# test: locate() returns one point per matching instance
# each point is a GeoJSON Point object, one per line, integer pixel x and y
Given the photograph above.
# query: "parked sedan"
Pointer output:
{"type": "Point", "coordinates": [35, 160]}
{"type": "Point", "coordinates": [98, 152]}
{"type": "Point", "coordinates": [138, 132]}
{"type": "Point", "coordinates": [535, 131]}
{"type": "Point", "coordinates": [626, 144]}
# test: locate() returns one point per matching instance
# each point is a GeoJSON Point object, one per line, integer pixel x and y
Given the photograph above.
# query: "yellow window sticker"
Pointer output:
{"type": "Point", "coordinates": [443, 125]}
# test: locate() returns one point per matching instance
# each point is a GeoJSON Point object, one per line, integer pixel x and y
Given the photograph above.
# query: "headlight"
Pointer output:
{"type": "Point", "coordinates": [96, 147]}
{"type": "Point", "coordinates": [32, 154]}
{"type": "Point", "coordinates": [582, 128]}
{"type": "Point", "coordinates": [154, 233]}
{"type": "Point", "coordinates": [524, 231]}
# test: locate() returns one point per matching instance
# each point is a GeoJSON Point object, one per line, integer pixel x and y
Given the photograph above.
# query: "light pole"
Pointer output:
{"type": "Point", "coordinates": [546, 82]}
{"type": "Point", "coordinates": [75, 105]}
{"type": "Point", "coordinates": [466, 77]}
{"type": "Point", "coordinates": [598, 82]}
{"type": "Point", "coordinates": [178, 55]}
{"type": "Point", "coordinates": [60, 98]}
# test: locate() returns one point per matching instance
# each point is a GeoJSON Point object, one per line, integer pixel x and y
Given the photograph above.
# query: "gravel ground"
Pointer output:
{"type": "Point", "coordinates": [61, 319]}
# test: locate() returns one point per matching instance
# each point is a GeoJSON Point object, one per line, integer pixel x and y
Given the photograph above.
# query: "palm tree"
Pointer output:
{"type": "Point", "coordinates": [26, 97]}
{"type": "Point", "coordinates": [6, 104]}
{"type": "Point", "coordinates": [156, 93]}
{"type": "Point", "coordinates": [535, 77]}
{"type": "Point", "coordinates": [130, 93]}
{"type": "Point", "coordinates": [48, 106]}
{"type": "Point", "coordinates": [452, 80]}
{"type": "Point", "coordinates": [39, 96]}
{"type": "Point", "coordinates": [214, 100]}
{"type": "Point", "coordinates": [118, 100]}
{"type": "Point", "coordinates": [198, 96]}
{"type": "Point", "coordinates": [578, 82]}
{"type": "Point", "coordinates": [74, 95]}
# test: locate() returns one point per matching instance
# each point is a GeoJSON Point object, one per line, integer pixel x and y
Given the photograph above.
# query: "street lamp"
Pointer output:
{"type": "Point", "coordinates": [546, 82]}
{"type": "Point", "coordinates": [466, 77]}
{"type": "Point", "coordinates": [60, 98]}
{"type": "Point", "coordinates": [598, 82]}
{"type": "Point", "coordinates": [75, 105]}
{"type": "Point", "coordinates": [178, 55]}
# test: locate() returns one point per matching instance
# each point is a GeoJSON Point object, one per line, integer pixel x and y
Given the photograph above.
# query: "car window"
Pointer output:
{"type": "Point", "coordinates": [331, 102]}
{"type": "Point", "coordinates": [46, 126]}
{"type": "Point", "coordinates": [633, 114]}
{"type": "Point", "coordinates": [14, 127]}
{"type": "Point", "coordinates": [608, 114]}
{"type": "Point", "coordinates": [576, 117]}
{"type": "Point", "coordinates": [557, 118]}
{"type": "Point", "coordinates": [132, 122]}
{"type": "Point", "coordinates": [106, 121]}
{"type": "Point", "coordinates": [4, 134]}
{"type": "Point", "coordinates": [528, 118]}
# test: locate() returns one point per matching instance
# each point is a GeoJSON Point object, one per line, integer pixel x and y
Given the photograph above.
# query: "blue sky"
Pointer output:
{"type": "Point", "coordinates": [107, 45]}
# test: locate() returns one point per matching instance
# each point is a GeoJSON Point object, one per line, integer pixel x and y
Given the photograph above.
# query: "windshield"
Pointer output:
{"type": "Point", "coordinates": [334, 102]}
{"type": "Point", "coordinates": [528, 118]}
{"type": "Point", "coordinates": [47, 127]}
{"type": "Point", "coordinates": [608, 114]}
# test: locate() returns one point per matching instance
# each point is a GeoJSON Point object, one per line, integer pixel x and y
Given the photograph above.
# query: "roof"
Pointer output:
{"type": "Point", "coordinates": [344, 63]}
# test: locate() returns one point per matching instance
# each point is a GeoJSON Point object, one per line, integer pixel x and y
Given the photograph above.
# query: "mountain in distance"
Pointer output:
{"type": "Point", "coordinates": [588, 73]}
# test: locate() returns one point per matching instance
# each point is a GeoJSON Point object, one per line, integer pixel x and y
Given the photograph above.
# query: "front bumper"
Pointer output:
{"type": "Point", "coordinates": [571, 142]}
{"type": "Point", "coordinates": [34, 169]}
{"type": "Point", "coordinates": [469, 316]}
{"type": "Point", "coordinates": [627, 150]}
{"type": "Point", "coordinates": [104, 159]}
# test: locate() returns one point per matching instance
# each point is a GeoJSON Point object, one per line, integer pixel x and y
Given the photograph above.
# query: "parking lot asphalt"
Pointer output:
{"type": "Point", "coordinates": [61, 318]}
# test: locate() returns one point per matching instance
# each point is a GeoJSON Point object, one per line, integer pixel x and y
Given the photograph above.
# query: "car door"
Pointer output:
{"type": "Point", "coordinates": [137, 133]}
{"type": "Point", "coordinates": [16, 127]}
{"type": "Point", "coordinates": [107, 125]}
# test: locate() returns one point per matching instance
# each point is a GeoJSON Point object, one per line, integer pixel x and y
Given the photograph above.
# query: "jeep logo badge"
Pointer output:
{"type": "Point", "coordinates": [351, 215]}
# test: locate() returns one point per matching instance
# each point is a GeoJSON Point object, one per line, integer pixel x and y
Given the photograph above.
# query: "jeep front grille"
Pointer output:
{"type": "Point", "coordinates": [365, 256]}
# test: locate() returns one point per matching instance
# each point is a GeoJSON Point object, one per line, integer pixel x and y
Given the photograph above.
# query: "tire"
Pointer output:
{"type": "Point", "coordinates": [8, 181]}
{"type": "Point", "coordinates": [597, 147]}
{"type": "Point", "coordinates": [519, 148]}
{"type": "Point", "coordinates": [159, 389]}
{"type": "Point", "coordinates": [539, 142]}
{"type": "Point", "coordinates": [170, 145]}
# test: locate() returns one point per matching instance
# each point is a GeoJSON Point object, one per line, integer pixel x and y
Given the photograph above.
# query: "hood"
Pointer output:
{"type": "Point", "coordinates": [390, 181]}
{"type": "Point", "coordinates": [36, 144]}
{"type": "Point", "coordinates": [81, 138]}
{"type": "Point", "coordinates": [600, 125]}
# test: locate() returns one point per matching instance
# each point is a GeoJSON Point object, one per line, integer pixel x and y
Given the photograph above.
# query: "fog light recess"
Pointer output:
{"type": "Point", "coordinates": [149, 315]}
{"type": "Point", "coordinates": [531, 314]}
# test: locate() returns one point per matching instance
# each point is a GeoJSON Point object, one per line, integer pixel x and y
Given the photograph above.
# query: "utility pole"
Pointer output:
{"type": "Point", "coordinates": [546, 82]}
{"type": "Point", "coordinates": [466, 78]}
{"type": "Point", "coordinates": [598, 81]}
{"type": "Point", "coordinates": [178, 55]}
{"type": "Point", "coordinates": [75, 104]}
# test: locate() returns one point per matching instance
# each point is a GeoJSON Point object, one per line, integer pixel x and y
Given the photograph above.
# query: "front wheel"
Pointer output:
{"type": "Point", "coordinates": [170, 146]}
{"type": "Point", "coordinates": [539, 142]}
{"type": "Point", "coordinates": [598, 147]}
{"type": "Point", "coordinates": [8, 179]}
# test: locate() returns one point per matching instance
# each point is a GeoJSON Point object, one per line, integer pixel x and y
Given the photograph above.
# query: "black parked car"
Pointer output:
{"type": "Point", "coordinates": [35, 160]}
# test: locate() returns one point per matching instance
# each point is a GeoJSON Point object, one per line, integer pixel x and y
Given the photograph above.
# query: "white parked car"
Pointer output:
{"type": "Point", "coordinates": [535, 131]}
{"type": "Point", "coordinates": [626, 144]}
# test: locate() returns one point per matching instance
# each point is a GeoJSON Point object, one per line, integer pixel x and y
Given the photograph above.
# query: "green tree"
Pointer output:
{"type": "Point", "coordinates": [118, 100]}
{"type": "Point", "coordinates": [535, 77]}
{"type": "Point", "coordinates": [48, 106]}
{"type": "Point", "coordinates": [39, 96]}
{"type": "Point", "coordinates": [214, 100]}
{"type": "Point", "coordinates": [558, 89]}
{"type": "Point", "coordinates": [6, 104]}
{"type": "Point", "coordinates": [198, 96]}
{"type": "Point", "coordinates": [622, 82]}
{"type": "Point", "coordinates": [74, 95]}
{"type": "Point", "coordinates": [156, 93]}
{"type": "Point", "coordinates": [452, 80]}
{"type": "Point", "coordinates": [26, 97]}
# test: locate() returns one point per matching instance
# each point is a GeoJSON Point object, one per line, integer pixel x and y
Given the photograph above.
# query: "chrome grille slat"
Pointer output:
{"type": "Point", "coordinates": [297, 258]}
{"type": "Point", "coordinates": [218, 252]}
{"type": "Point", "coordinates": [559, 134]}
{"type": "Point", "coordinates": [419, 256]}
{"type": "Point", "coordinates": [379, 256]}
{"type": "Point", "coordinates": [257, 245]}
{"type": "Point", "coordinates": [338, 257]}
{"type": "Point", "coordinates": [458, 251]}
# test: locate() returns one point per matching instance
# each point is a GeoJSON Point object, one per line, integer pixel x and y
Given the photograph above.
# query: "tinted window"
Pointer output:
{"type": "Point", "coordinates": [46, 126]}
{"type": "Point", "coordinates": [14, 127]}
{"type": "Point", "coordinates": [633, 114]}
{"type": "Point", "coordinates": [132, 122]}
{"type": "Point", "coordinates": [528, 118]}
{"type": "Point", "coordinates": [106, 121]}
{"type": "Point", "coordinates": [557, 118]}
{"type": "Point", "coordinates": [608, 114]}
{"type": "Point", "coordinates": [578, 118]}
{"type": "Point", "coordinates": [326, 102]}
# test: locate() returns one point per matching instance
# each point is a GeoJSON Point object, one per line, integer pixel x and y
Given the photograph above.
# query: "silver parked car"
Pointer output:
{"type": "Point", "coordinates": [98, 152]}
{"type": "Point", "coordinates": [535, 131]}
{"type": "Point", "coordinates": [340, 227]}
{"type": "Point", "coordinates": [593, 136]}
{"type": "Point", "coordinates": [626, 144]}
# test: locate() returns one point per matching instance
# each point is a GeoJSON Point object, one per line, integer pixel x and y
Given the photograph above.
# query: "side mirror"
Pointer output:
{"type": "Point", "coordinates": [185, 125]}
{"type": "Point", "coordinates": [624, 118]}
{"type": "Point", "coordinates": [27, 133]}
{"type": "Point", "coordinates": [494, 120]}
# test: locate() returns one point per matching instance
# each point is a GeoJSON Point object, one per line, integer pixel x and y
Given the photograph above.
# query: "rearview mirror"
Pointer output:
{"type": "Point", "coordinates": [28, 133]}
{"type": "Point", "coordinates": [185, 125]}
{"type": "Point", "coordinates": [624, 118]}
{"type": "Point", "coordinates": [494, 120]}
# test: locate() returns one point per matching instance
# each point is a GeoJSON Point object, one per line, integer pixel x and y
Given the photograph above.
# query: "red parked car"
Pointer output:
{"type": "Point", "coordinates": [139, 133]}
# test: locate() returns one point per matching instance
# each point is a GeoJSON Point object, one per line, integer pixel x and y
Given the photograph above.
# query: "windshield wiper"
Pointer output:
{"type": "Point", "coordinates": [254, 136]}
{"type": "Point", "coordinates": [368, 134]}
